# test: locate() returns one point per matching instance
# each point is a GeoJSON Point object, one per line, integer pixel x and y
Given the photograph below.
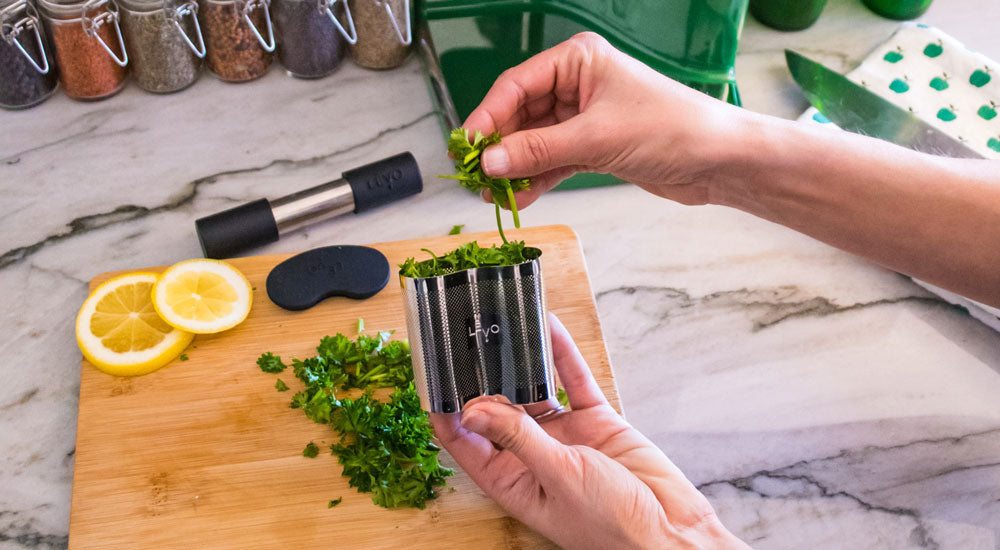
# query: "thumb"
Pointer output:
{"type": "Point", "coordinates": [532, 152]}
{"type": "Point", "coordinates": [511, 428]}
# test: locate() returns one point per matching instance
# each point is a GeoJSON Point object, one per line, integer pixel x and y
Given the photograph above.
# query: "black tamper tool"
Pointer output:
{"type": "Point", "coordinates": [302, 281]}
{"type": "Point", "coordinates": [262, 221]}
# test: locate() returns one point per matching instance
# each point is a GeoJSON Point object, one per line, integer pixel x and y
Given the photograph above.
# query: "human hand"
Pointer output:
{"type": "Point", "coordinates": [585, 106]}
{"type": "Point", "coordinates": [583, 478]}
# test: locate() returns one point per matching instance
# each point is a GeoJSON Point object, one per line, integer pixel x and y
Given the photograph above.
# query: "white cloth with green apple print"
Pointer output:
{"type": "Point", "coordinates": [946, 84]}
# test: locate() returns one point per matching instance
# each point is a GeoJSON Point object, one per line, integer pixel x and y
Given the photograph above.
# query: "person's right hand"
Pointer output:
{"type": "Point", "coordinates": [585, 106]}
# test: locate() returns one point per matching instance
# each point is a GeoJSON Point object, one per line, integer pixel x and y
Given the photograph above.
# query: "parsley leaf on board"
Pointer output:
{"type": "Point", "coordinates": [335, 502]}
{"type": "Point", "coordinates": [270, 363]}
{"type": "Point", "coordinates": [467, 151]}
{"type": "Point", "coordinates": [183, 357]}
{"type": "Point", "coordinates": [456, 229]}
{"type": "Point", "coordinates": [280, 385]}
{"type": "Point", "coordinates": [311, 450]}
{"type": "Point", "coordinates": [468, 256]}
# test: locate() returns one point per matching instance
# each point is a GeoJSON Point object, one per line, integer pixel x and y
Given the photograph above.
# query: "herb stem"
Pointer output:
{"type": "Point", "coordinates": [512, 204]}
{"type": "Point", "coordinates": [499, 222]}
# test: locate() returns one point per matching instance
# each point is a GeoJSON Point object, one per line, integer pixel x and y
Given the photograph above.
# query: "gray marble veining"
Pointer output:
{"type": "Point", "coordinates": [818, 400]}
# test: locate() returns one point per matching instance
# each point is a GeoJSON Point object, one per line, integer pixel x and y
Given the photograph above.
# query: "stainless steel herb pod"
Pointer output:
{"type": "Point", "coordinates": [481, 331]}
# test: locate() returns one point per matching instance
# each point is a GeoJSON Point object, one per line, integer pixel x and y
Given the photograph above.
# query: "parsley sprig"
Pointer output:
{"type": "Point", "coordinates": [385, 448]}
{"type": "Point", "coordinates": [467, 153]}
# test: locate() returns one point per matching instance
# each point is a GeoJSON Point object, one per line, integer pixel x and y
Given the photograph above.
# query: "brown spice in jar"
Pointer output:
{"type": "Point", "coordinates": [379, 46]}
{"type": "Point", "coordinates": [234, 53]}
{"type": "Point", "coordinates": [87, 71]}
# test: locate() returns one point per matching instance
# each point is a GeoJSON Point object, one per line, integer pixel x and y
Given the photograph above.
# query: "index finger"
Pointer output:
{"type": "Point", "coordinates": [581, 388]}
{"type": "Point", "coordinates": [516, 87]}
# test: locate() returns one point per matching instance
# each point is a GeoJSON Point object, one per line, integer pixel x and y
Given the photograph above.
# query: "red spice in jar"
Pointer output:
{"type": "Point", "coordinates": [87, 71]}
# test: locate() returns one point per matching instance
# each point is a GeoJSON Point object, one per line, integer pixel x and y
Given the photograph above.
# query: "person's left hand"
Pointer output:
{"type": "Point", "coordinates": [584, 478]}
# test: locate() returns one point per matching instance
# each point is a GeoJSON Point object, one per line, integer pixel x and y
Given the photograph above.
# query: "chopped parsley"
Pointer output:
{"type": "Point", "coordinates": [562, 397]}
{"type": "Point", "coordinates": [456, 229]}
{"type": "Point", "coordinates": [270, 363]}
{"type": "Point", "coordinates": [384, 447]}
{"type": "Point", "coordinates": [468, 256]}
{"type": "Point", "coordinates": [183, 357]}
{"type": "Point", "coordinates": [335, 502]}
{"type": "Point", "coordinates": [280, 385]}
{"type": "Point", "coordinates": [311, 450]}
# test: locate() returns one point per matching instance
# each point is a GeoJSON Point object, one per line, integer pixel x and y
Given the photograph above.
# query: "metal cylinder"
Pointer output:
{"type": "Point", "coordinates": [481, 331]}
{"type": "Point", "coordinates": [312, 205]}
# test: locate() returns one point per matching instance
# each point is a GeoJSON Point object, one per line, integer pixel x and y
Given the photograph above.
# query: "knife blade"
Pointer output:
{"type": "Point", "coordinates": [856, 109]}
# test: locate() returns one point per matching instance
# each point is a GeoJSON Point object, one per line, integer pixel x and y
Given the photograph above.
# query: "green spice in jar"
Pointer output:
{"type": "Point", "coordinates": [164, 43]}
{"type": "Point", "coordinates": [26, 77]}
{"type": "Point", "coordinates": [239, 37]}
{"type": "Point", "coordinates": [384, 32]}
{"type": "Point", "coordinates": [88, 46]}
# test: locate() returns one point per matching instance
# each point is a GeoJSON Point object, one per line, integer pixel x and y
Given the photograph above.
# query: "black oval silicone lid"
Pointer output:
{"type": "Point", "coordinates": [302, 281]}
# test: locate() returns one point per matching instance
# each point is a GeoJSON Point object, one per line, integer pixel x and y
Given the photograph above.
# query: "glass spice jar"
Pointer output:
{"type": "Point", "coordinates": [164, 43]}
{"type": "Point", "coordinates": [383, 40]}
{"type": "Point", "coordinates": [28, 76]}
{"type": "Point", "coordinates": [84, 35]}
{"type": "Point", "coordinates": [311, 39]}
{"type": "Point", "coordinates": [237, 50]}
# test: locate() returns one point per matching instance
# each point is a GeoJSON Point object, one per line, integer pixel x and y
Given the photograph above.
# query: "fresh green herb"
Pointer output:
{"type": "Point", "coordinates": [183, 357]}
{"type": "Point", "coordinates": [335, 502]}
{"type": "Point", "coordinates": [456, 229]}
{"type": "Point", "coordinates": [280, 385]}
{"type": "Point", "coordinates": [311, 450]}
{"type": "Point", "coordinates": [562, 397]}
{"type": "Point", "coordinates": [467, 155]}
{"type": "Point", "coordinates": [270, 363]}
{"type": "Point", "coordinates": [468, 256]}
{"type": "Point", "coordinates": [361, 325]}
{"type": "Point", "coordinates": [385, 448]}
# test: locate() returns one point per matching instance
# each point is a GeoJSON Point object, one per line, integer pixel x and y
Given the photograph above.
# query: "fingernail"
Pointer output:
{"type": "Point", "coordinates": [487, 196]}
{"type": "Point", "coordinates": [475, 420]}
{"type": "Point", "coordinates": [496, 161]}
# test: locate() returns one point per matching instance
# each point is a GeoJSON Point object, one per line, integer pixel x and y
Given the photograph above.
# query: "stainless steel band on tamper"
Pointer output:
{"type": "Point", "coordinates": [482, 331]}
{"type": "Point", "coordinates": [262, 221]}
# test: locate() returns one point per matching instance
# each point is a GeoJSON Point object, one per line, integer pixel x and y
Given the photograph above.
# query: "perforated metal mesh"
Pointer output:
{"type": "Point", "coordinates": [480, 332]}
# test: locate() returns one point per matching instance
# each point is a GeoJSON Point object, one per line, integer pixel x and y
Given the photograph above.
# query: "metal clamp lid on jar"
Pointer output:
{"type": "Point", "coordinates": [243, 10]}
{"type": "Point", "coordinates": [404, 40]}
{"type": "Point", "coordinates": [13, 23]}
{"type": "Point", "coordinates": [326, 6]}
{"type": "Point", "coordinates": [174, 11]}
{"type": "Point", "coordinates": [80, 11]}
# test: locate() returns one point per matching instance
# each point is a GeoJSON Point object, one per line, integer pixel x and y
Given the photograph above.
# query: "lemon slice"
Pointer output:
{"type": "Point", "coordinates": [119, 331]}
{"type": "Point", "coordinates": [202, 296]}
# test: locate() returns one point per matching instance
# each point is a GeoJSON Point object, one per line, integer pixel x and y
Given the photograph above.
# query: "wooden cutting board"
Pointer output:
{"type": "Point", "coordinates": [206, 454]}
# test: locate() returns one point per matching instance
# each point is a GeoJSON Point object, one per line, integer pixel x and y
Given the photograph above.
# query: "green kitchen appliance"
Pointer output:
{"type": "Point", "coordinates": [466, 44]}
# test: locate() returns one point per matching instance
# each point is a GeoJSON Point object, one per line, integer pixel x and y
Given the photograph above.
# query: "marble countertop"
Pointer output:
{"type": "Point", "coordinates": [818, 400]}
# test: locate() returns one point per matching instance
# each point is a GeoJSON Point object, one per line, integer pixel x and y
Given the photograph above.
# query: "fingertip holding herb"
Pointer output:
{"type": "Point", "coordinates": [311, 450]}
{"type": "Point", "coordinates": [467, 154]}
{"type": "Point", "coordinates": [280, 385]}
